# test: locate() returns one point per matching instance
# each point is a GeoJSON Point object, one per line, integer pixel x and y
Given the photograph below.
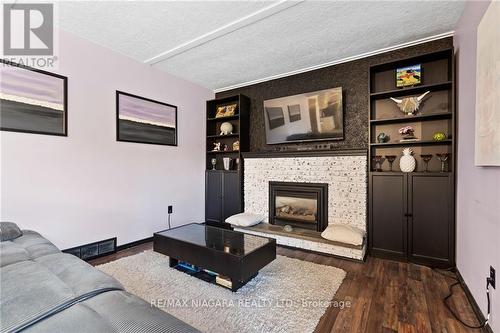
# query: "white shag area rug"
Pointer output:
{"type": "Point", "coordinates": [288, 295]}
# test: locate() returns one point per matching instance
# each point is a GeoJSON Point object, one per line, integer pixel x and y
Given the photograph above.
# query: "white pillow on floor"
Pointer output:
{"type": "Point", "coordinates": [245, 219]}
{"type": "Point", "coordinates": [344, 234]}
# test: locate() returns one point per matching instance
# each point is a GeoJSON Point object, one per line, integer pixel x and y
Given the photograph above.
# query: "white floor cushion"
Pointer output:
{"type": "Point", "coordinates": [245, 219]}
{"type": "Point", "coordinates": [344, 234]}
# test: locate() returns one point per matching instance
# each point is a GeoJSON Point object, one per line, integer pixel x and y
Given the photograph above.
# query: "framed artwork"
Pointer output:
{"type": "Point", "coordinates": [275, 117]}
{"type": "Point", "coordinates": [408, 76]}
{"type": "Point", "coordinates": [143, 120]}
{"type": "Point", "coordinates": [487, 133]}
{"type": "Point", "coordinates": [32, 100]}
{"type": "Point", "coordinates": [294, 112]}
{"type": "Point", "coordinates": [226, 110]}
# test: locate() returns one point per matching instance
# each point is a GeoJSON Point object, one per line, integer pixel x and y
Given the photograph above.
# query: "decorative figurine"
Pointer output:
{"type": "Point", "coordinates": [382, 137]}
{"type": "Point", "coordinates": [226, 128]}
{"type": "Point", "coordinates": [407, 162]}
{"type": "Point", "coordinates": [214, 162]}
{"type": "Point", "coordinates": [217, 146]}
{"type": "Point", "coordinates": [236, 146]}
{"type": "Point", "coordinates": [410, 105]}
{"type": "Point", "coordinates": [225, 147]}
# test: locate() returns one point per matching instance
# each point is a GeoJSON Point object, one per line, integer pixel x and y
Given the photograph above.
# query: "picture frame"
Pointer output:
{"type": "Point", "coordinates": [226, 110]}
{"type": "Point", "coordinates": [409, 76]}
{"type": "Point", "coordinates": [144, 120]}
{"type": "Point", "coordinates": [294, 112]}
{"type": "Point", "coordinates": [32, 100]}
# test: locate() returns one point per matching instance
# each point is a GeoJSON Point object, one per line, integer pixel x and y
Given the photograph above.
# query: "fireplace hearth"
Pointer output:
{"type": "Point", "coordinates": [301, 205]}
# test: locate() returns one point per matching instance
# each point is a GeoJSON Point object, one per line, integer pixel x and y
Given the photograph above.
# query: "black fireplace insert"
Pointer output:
{"type": "Point", "coordinates": [302, 205]}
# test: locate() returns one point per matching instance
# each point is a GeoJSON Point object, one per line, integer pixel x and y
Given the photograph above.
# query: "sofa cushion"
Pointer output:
{"type": "Point", "coordinates": [9, 231]}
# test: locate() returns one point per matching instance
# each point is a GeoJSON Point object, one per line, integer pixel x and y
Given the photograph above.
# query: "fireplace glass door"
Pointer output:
{"type": "Point", "coordinates": [300, 205]}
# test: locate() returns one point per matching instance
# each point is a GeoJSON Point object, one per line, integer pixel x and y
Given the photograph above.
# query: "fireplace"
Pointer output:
{"type": "Point", "coordinates": [302, 205]}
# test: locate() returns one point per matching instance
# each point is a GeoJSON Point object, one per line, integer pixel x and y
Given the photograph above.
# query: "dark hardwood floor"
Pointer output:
{"type": "Point", "coordinates": [385, 296]}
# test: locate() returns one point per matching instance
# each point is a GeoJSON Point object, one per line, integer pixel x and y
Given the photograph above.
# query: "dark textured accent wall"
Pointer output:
{"type": "Point", "coordinates": [351, 76]}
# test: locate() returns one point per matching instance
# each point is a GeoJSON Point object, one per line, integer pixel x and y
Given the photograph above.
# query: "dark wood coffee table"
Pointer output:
{"type": "Point", "coordinates": [216, 255]}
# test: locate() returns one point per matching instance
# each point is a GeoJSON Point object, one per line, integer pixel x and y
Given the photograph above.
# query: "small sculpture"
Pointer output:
{"type": "Point", "coordinates": [407, 162]}
{"type": "Point", "coordinates": [217, 146]}
{"type": "Point", "coordinates": [226, 128]}
{"type": "Point", "coordinates": [410, 105]}
{"type": "Point", "coordinates": [439, 136]}
{"type": "Point", "coordinates": [236, 146]}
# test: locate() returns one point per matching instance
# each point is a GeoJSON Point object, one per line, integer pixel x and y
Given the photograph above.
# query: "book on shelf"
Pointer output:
{"type": "Point", "coordinates": [223, 281]}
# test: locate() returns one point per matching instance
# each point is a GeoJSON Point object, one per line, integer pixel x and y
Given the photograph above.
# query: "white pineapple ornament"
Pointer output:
{"type": "Point", "coordinates": [407, 162]}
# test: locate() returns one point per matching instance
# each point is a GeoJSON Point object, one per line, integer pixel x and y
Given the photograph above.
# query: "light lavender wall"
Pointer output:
{"type": "Point", "coordinates": [87, 186]}
{"type": "Point", "coordinates": [478, 196]}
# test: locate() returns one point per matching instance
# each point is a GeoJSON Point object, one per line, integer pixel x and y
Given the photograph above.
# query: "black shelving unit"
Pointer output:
{"type": "Point", "coordinates": [411, 215]}
{"type": "Point", "coordinates": [223, 188]}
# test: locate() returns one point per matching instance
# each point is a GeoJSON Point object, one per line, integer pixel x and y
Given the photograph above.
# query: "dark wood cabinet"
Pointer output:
{"type": "Point", "coordinates": [412, 217]}
{"type": "Point", "coordinates": [222, 195]}
{"type": "Point", "coordinates": [388, 235]}
{"type": "Point", "coordinates": [431, 215]}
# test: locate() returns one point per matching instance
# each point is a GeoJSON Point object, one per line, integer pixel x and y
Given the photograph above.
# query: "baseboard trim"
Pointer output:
{"type": "Point", "coordinates": [473, 303]}
{"type": "Point", "coordinates": [134, 243]}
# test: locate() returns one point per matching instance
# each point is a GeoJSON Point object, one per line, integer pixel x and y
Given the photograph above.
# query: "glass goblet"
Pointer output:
{"type": "Point", "coordinates": [443, 158]}
{"type": "Point", "coordinates": [214, 162]}
{"type": "Point", "coordinates": [426, 158]}
{"type": "Point", "coordinates": [378, 162]}
{"type": "Point", "coordinates": [390, 159]}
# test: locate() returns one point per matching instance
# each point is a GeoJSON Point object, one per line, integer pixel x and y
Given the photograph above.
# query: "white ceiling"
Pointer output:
{"type": "Point", "coordinates": [219, 44]}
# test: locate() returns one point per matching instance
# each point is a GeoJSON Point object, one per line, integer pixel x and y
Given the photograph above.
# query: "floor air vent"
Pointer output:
{"type": "Point", "coordinates": [93, 250]}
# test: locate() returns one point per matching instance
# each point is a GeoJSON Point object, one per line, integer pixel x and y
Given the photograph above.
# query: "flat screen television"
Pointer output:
{"type": "Point", "coordinates": [312, 116]}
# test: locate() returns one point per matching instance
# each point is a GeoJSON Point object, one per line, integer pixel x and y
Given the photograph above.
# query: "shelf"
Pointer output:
{"type": "Point", "coordinates": [423, 117]}
{"type": "Point", "coordinates": [395, 172]}
{"type": "Point", "coordinates": [224, 152]}
{"type": "Point", "coordinates": [413, 143]}
{"type": "Point", "coordinates": [222, 136]}
{"type": "Point", "coordinates": [236, 116]}
{"type": "Point", "coordinates": [411, 91]}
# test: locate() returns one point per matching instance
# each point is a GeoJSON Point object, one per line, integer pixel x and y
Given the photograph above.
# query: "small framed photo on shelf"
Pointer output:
{"type": "Point", "coordinates": [409, 76]}
{"type": "Point", "coordinates": [226, 110]}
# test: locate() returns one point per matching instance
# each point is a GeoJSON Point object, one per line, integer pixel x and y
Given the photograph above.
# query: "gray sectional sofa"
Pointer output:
{"type": "Point", "coordinates": [45, 290]}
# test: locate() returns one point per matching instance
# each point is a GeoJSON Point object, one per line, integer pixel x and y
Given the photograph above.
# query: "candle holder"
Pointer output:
{"type": "Point", "coordinates": [426, 158]}
{"type": "Point", "coordinates": [390, 159]}
{"type": "Point", "coordinates": [443, 158]}
{"type": "Point", "coordinates": [378, 162]}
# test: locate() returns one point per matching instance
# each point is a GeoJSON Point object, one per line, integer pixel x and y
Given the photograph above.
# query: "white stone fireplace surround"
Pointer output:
{"type": "Point", "coordinates": [344, 172]}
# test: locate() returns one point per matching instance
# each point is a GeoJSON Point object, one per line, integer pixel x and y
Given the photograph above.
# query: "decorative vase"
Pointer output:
{"type": "Point", "coordinates": [226, 161]}
{"type": "Point", "coordinates": [382, 137]}
{"type": "Point", "coordinates": [407, 162]}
